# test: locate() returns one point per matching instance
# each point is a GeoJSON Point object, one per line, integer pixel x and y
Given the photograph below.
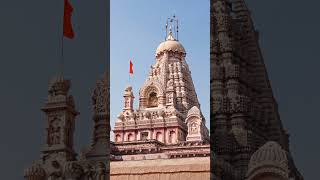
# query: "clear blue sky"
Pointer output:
{"type": "Point", "coordinates": [138, 27]}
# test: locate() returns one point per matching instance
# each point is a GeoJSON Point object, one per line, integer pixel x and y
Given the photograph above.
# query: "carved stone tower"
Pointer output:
{"type": "Point", "coordinates": [244, 111]}
{"type": "Point", "coordinates": [165, 137]}
{"type": "Point", "coordinates": [169, 111]}
{"type": "Point", "coordinates": [60, 114]}
{"type": "Point", "coordinates": [100, 147]}
{"type": "Point", "coordinates": [59, 159]}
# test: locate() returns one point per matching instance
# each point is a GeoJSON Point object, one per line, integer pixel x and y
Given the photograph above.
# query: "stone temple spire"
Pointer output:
{"type": "Point", "coordinates": [61, 114]}
{"type": "Point", "coordinates": [58, 149]}
{"type": "Point", "coordinates": [168, 93]}
{"type": "Point", "coordinates": [243, 110]}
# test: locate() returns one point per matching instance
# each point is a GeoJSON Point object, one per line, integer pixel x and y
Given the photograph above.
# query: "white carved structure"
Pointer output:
{"type": "Point", "coordinates": [169, 111]}
{"type": "Point", "coordinates": [165, 137]}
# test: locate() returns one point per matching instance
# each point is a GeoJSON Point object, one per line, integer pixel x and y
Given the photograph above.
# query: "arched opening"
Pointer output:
{"type": "Point", "coordinates": [193, 128]}
{"type": "Point", "coordinates": [172, 137]}
{"type": "Point", "coordinates": [130, 137]}
{"type": "Point", "coordinates": [144, 136]}
{"type": "Point", "coordinates": [159, 137]}
{"type": "Point", "coordinates": [153, 100]}
{"type": "Point", "coordinates": [118, 138]}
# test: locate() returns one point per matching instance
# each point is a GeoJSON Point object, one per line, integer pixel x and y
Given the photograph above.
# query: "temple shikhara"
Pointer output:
{"type": "Point", "coordinates": [248, 138]}
{"type": "Point", "coordinates": [165, 137]}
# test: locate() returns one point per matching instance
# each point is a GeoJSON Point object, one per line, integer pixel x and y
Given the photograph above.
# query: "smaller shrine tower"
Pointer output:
{"type": "Point", "coordinates": [61, 113]}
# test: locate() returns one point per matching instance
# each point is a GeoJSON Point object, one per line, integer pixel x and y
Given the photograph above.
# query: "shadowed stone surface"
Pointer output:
{"type": "Point", "coordinates": [244, 112]}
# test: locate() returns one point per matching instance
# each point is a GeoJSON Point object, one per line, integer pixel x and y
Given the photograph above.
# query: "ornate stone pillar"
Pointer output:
{"type": "Point", "coordinates": [61, 114]}
{"type": "Point", "coordinates": [128, 99]}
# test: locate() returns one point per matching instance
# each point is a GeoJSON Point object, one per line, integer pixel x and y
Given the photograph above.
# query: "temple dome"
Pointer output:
{"type": "Point", "coordinates": [194, 111]}
{"type": "Point", "coordinates": [270, 158]}
{"type": "Point", "coordinates": [171, 44]}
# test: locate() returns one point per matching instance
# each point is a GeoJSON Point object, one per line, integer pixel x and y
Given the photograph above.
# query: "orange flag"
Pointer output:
{"type": "Point", "coordinates": [131, 68]}
{"type": "Point", "coordinates": [67, 25]}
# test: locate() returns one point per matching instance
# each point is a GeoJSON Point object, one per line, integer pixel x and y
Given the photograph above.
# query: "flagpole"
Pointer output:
{"type": "Point", "coordinates": [66, 30]}
{"type": "Point", "coordinates": [62, 53]}
{"type": "Point", "coordinates": [129, 82]}
{"type": "Point", "coordinates": [129, 79]}
{"type": "Point", "coordinates": [61, 62]}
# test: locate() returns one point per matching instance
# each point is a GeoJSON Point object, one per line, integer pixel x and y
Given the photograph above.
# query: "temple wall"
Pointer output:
{"type": "Point", "coordinates": [161, 169]}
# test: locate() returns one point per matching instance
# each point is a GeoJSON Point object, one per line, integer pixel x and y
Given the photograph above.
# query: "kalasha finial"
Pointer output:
{"type": "Point", "coordinates": [172, 24]}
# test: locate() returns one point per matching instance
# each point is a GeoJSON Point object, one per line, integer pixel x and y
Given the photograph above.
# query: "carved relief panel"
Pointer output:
{"type": "Point", "coordinates": [100, 96]}
{"type": "Point", "coordinates": [194, 128]}
{"type": "Point", "coordinates": [54, 131]}
{"type": "Point", "coordinates": [153, 100]}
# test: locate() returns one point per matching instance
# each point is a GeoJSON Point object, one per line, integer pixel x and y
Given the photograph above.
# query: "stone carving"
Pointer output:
{"type": "Point", "coordinates": [153, 100]}
{"type": "Point", "coordinates": [128, 90]}
{"type": "Point", "coordinates": [54, 132]}
{"type": "Point", "coordinates": [89, 172]}
{"type": "Point", "coordinates": [72, 170]}
{"type": "Point", "coordinates": [194, 128]}
{"type": "Point", "coordinates": [56, 171]}
{"type": "Point", "coordinates": [126, 103]}
{"type": "Point", "coordinates": [161, 113]}
{"type": "Point", "coordinates": [100, 96]}
{"type": "Point", "coordinates": [151, 86]}
{"type": "Point", "coordinates": [170, 98]}
{"type": "Point", "coordinates": [101, 172]}
{"type": "Point", "coordinates": [243, 108]}
{"type": "Point", "coordinates": [270, 158]}
{"type": "Point", "coordinates": [170, 83]}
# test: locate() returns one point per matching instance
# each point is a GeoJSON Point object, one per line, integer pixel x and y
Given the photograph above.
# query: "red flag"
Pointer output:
{"type": "Point", "coordinates": [131, 68]}
{"type": "Point", "coordinates": [67, 25]}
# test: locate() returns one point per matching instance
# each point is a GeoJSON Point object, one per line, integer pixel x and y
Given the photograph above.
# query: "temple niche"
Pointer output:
{"type": "Point", "coordinates": [152, 100]}
{"type": "Point", "coordinates": [54, 132]}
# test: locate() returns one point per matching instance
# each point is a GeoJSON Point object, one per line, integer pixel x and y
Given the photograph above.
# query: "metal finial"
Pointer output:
{"type": "Point", "coordinates": [177, 30]}
{"type": "Point", "coordinates": [166, 30]}
{"type": "Point", "coordinates": [173, 27]}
